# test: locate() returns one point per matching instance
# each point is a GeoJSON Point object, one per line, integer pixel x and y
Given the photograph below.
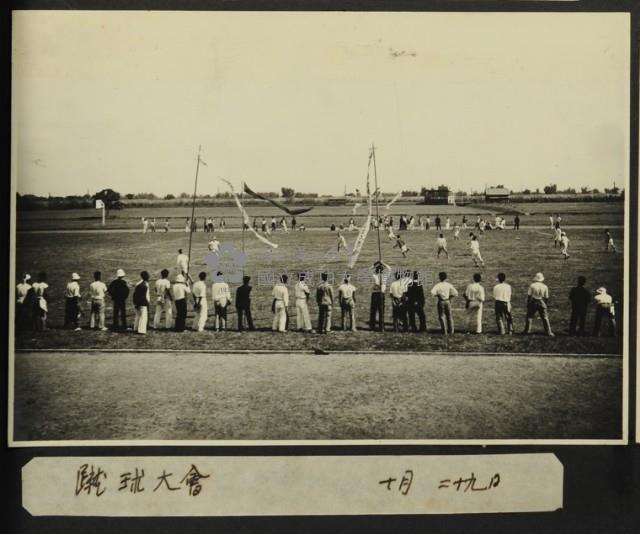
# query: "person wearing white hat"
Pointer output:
{"type": "Point", "coordinates": [72, 303]}
{"type": "Point", "coordinates": [604, 309]}
{"type": "Point", "coordinates": [301, 292]}
{"type": "Point", "coordinates": [537, 298]}
{"type": "Point", "coordinates": [23, 302]}
{"type": "Point", "coordinates": [119, 291]}
{"type": "Point", "coordinates": [97, 292]}
{"type": "Point", "coordinates": [180, 291]}
{"type": "Point", "coordinates": [141, 299]}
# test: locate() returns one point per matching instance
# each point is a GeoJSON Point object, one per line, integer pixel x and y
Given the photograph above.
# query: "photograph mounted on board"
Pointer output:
{"type": "Point", "coordinates": [332, 227]}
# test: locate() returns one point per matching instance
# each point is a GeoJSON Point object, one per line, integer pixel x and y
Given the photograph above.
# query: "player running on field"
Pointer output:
{"type": "Point", "coordinates": [342, 243]}
{"type": "Point", "coordinates": [610, 246]}
{"type": "Point", "coordinates": [400, 244]}
{"type": "Point", "coordinates": [564, 241]}
{"type": "Point", "coordinates": [474, 245]}
{"type": "Point", "coordinates": [441, 243]}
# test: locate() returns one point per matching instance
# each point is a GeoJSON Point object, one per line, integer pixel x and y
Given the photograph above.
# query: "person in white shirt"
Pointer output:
{"type": "Point", "coordinates": [557, 236]}
{"type": "Point", "coordinates": [187, 225]}
{"type": "Point", "coordinates": [447, 223]}
{"type": "Point", "coordinates": [280, 295]}
{"type": "Point", "coordinates": [564, 241]}
{"type": "Point", "coordinates": [347, 300]}
{"type": "Point", "coordinates": [342, 242]}
{"type": "Point", "coordinates": [441, 243]}
{"type": "Point", "coordinates": [153, 225]}
{"type": "Point", "coordinates": [200, 305]}
{"type": "Point", "coordinates": [376, 312]}
{"type": "Point", "coordinates": [474, 245]}
{"type": "Point", "coordinates": [145, 225]}
{"type": "Point", "coordinates": [551, 224]}
{"type": "Point", "coordinates": [182, 263]}
{"type": "Point", "coordinates": [604, 310]}
{"type": "Point", "coordinates": [502, 299]}
{"type": "Point", "coordinates": [474, 297]}
{"type": "Point", "coordinates": [444, 291]}
{"type": "Point", "coordinates": [456, 231]}
{"type": "Point", "coordinates": [23, 306]}
{"type": "Point", "coordinates": [72, 303]}
{"type": "Point", "coordinates": [97, 292]}
{"type": "Point", "coordinates": [221, 294]}
{"type": "Point", "coordinates": [141, 299]}
{"type": "Point", "coordinates": [164, 301]}
{"type": "Point", "coordinates": [40, 306]}
{"type": "Point", "coordinates": [398, 293]}
{"type": "Point", "coordinates": [214, 245]}
{"type": "Point", "coordinates": [537, 298]}
{"type": "Point", "coordinates": [166, 225]}
{"type": "Point", "coordinates": [302, 293]}
{"type": "Point", "coordinates": [180, 291]}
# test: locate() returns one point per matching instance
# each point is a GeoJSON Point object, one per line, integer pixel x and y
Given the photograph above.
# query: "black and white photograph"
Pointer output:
{"type": "Point", "coordinates": [319, 227]}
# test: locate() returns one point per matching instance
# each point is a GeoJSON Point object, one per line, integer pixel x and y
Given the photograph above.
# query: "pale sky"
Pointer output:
{"type": "Point", "coordinates": [123, 99]}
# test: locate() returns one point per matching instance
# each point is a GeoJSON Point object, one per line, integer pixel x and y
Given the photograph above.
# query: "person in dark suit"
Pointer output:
{"type": "Point", "coordinates": [243, 304]}
{"type": "Point", "coordinates": [580, 298]}
{"type": "Point", "coordinates": [119, 291]}
{"type": "Point", "coordinates": [415, 304]}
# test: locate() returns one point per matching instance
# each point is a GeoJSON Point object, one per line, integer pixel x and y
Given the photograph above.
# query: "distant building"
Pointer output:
{"type": "Point", "coordinates": [439, 196]}
{"type": "Point", "coordinates": [497, 194]}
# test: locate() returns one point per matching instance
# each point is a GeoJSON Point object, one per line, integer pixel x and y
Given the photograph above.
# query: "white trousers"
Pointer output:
{"type": "Point", "coordinates": [303, 321]}
{"type": "Point", "coordinates": [167, 308]}
{"type": "Point", "coordinates": [142, 318]}
{"type": "Point", "coordinates": [200, 316]}
{"type": "Point", "coordinates": [280, 317]}
{"type": "Point", "coordinates": [474, 317]}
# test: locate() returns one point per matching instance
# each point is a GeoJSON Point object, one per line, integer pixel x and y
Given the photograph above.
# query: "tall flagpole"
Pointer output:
{"type": "Point", "coordinates": [377, 194]}
{"type": "Point", "coordinates": [193, 209]}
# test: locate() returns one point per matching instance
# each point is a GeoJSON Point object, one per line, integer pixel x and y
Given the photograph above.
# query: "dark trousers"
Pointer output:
{"type": "Point", "coordinates": [417, 309]}
{"type": "Point", "coordinates": [503, 317]}
{"type": "Point", "coordinates": [376, 314]}
{"type": "Point", "coordinates": [324, 317]}
{"type": "Point", "coordinates": [399, 315]}
{"type": "Point", "coordinates": [602, 313]}
{"type": "Point", "coordinates": [181, 315]}
{"type": "Point", "coordinates": [119, 316]}
{"type": "Point", "coordinates": [244, 312]}
{"type": "Point", "coordinates": [578, 318]}
{"type": "Point", "coordinates": [71, 311]}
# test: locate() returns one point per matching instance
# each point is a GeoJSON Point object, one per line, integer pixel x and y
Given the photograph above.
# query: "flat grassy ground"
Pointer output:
{"type": "Point", "coordinates": [167, 396]}
{"type": "Point", "coordinates": [519, 254]}
{"type": "Point", "coordinates": [579, 213]}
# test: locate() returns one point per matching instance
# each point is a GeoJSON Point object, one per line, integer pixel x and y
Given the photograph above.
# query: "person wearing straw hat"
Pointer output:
{"type": "Point", "coordinates": [537, 298]}
{"type": "Point", "coordinates": [141, 299]}
{"type": "Point", "coordinates": [97, 292]}
{"type": "Point", "coordinates": [72, 303]}
{"type": "Point", "coordinates": [119, 291]}
{"type": "Point", "coordinates": [180, 290]}
{"type": "Point", "coordinates": [23, 289]}
{"type": "Point", "coordinates": [604, 310]}
{"type": "Point", "coordinates": [164, 301]}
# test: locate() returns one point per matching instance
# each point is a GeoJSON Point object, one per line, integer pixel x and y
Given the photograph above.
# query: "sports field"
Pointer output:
{"type": "Point", "coordinates": [419, 386]}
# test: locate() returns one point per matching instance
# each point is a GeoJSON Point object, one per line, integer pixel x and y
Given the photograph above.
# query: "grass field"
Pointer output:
{"type": "Point", "coordinates": [578, 213]}
{"type": "Point", "coordinates": [93, 396]}
{"type": "Point", "coordinates": [518, 254]}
